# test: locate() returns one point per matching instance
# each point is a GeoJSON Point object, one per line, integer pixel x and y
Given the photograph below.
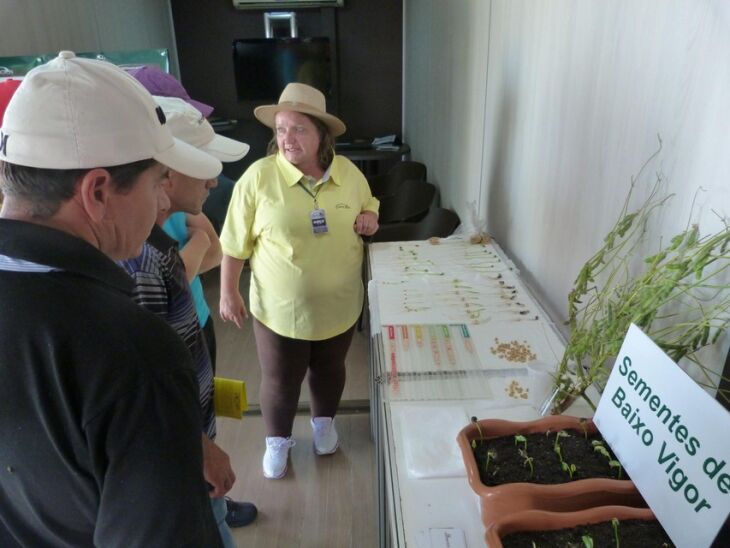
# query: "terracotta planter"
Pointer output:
{"type": "Point", "coordinates": [506, 499]}
{"type": "Point", "coordinates": [538, 520]}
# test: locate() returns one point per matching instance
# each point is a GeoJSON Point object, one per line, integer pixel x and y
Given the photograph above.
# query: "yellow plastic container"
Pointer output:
{"type": "Point", "coordinates": [230, 397]}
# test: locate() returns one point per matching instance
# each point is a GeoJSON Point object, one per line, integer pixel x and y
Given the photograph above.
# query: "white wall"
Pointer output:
{"type": "Point", "coordinates": [543, 110]}
{"type": "Point", "coordinates": [29, 27]}
{"type": "Point", "coordinates": [445, 79]}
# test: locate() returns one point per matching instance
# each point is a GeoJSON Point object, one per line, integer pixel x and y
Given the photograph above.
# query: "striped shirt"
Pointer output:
{"type": "Point", "coordinates": [11, 264]}
{"type": "Point", "coordinates": [161, 286]}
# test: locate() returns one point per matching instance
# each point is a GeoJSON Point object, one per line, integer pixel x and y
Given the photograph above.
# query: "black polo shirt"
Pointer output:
{"type": "Point", "coordinates": [99, 423]}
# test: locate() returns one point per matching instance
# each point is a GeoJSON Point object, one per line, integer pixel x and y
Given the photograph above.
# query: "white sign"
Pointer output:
{"type": "Point", "coordinates": [671, 437]}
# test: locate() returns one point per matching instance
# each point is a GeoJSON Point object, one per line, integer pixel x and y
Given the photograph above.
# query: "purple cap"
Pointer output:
{"type": "Point", "coordinates": [158, 82]}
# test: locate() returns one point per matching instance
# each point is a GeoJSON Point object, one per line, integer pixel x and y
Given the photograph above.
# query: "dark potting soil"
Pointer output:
{"type": "Point", "coordinates": [633, 533]}
{"type": "Point", "coordinates": [508, 465]}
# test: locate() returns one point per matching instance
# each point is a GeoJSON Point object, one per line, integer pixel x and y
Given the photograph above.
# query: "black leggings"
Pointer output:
{"type": "Point", "coordinates": [285, 362]}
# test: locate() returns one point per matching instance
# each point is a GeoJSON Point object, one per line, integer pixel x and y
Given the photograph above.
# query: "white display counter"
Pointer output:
{"type": "Point", "coordinates": [455, 334]}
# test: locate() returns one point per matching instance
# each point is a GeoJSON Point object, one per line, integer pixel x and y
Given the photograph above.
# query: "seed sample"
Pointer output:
{"type": "Point", "coordinates": [515, 391]}
{"type": "Point", "coordinates": [513, 351]}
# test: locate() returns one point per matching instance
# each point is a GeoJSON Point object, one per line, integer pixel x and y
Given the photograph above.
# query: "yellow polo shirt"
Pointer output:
{"type": "Point", "coordinates": [303, 285]}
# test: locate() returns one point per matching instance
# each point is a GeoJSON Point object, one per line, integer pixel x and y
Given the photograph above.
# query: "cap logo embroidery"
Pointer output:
{"type": "Point", "coordinates": [161, 116]}
{"type": "Point", "coordinates": [4, 144]}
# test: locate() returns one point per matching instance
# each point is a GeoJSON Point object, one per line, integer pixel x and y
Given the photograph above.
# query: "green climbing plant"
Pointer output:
{"type": "Point", "coordinates": [675, 297]}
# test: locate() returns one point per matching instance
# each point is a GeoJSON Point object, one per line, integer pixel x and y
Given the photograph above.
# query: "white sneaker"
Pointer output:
{"type": "Point", "coordinates": [276, 456]}
{"type": "Point", "coordinates": [325, 435]}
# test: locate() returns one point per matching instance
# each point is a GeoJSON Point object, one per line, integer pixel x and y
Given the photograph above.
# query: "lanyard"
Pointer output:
{"type": "Point", "coordinates": [314, 196]}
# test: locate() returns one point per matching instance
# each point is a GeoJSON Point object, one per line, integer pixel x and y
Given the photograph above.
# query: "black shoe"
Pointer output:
{"type": "Point", "coordinates": [239, 513]}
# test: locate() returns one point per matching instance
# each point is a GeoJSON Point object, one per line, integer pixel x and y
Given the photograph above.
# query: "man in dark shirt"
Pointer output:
{"type": "Point", "coordinates": [99, 415]}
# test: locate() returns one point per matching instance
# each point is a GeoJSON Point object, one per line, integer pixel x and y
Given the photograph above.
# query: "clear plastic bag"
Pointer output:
{"type": "Point", "coordinates": [473, 228]}
{"type": "Point", "coordinates": [428, 434]}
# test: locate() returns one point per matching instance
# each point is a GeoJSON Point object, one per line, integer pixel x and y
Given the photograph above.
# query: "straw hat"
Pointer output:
{"type": "Point", "coordinates": [300, 98]}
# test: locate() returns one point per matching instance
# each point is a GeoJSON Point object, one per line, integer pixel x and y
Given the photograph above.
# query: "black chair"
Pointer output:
{"type": "Point", "coordinates": [388, 183]}
{"type": "Point", "coordinates": [438, 222]}
{"type": "Point", "coordinates": [410, 203]}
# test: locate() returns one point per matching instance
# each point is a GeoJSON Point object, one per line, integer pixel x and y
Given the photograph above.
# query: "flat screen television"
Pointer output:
{"type": "Point", "coordinates": [264, 66]}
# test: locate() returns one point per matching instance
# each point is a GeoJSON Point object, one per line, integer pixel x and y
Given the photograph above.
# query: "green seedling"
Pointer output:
{"type": "Point", "coordinates": [491, 454]}
{"type": "Point", "coordinates": [479, 428]}
{"type": "Point", "coordinates": [527, 461]}
{"type": "Point", "coordinates": [616, 464]}
{"type": "Point", "coordinates": [613, 463]}
{"type": "Point", "coordinates": [476, 423]}
{"type": "Point", "coordinates": [560, 434]}
{"type": "Point", "coordinates": [584, 426]}
{"type": "Point", "coordinates": [587, 541]}
{"type": "Point", "coordinates": [600, 448]}
{"type": "Point", "coordinates": [559, 452]}
{"type": "Point", "coordinates": [614, 524]}
{"type": "Point", "coordinates": [569, 468]}
{"type": "Point", "coordinates": [521, 439]}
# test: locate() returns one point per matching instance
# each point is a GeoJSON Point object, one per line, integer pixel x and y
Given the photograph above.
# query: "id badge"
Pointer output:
{"type": "Point", "coordinates": [319, 221]}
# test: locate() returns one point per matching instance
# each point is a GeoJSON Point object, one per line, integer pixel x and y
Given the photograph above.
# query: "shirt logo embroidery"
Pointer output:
{"type": "Point", "coordinates": [342, 206]}
{"type": "Point", "coordinates": [4, 144]}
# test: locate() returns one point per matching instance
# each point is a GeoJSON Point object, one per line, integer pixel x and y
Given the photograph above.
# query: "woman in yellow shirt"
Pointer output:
{"type": "Point", "coordinates": [298, 215]}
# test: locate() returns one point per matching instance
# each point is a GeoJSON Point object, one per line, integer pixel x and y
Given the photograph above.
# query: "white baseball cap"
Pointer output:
{"type": "Point", "coordinates": [74, 113]}
{"type": "Point", "coordinates": [188, 124]}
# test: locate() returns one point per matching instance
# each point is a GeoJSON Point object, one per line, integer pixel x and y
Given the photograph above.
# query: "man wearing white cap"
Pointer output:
{"type": "Point", "coordinates": [197, 235]}
{"type": "Point", "coordinates": [99, 415]}
{"type": "Point", "coordinates": [161, 286]}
